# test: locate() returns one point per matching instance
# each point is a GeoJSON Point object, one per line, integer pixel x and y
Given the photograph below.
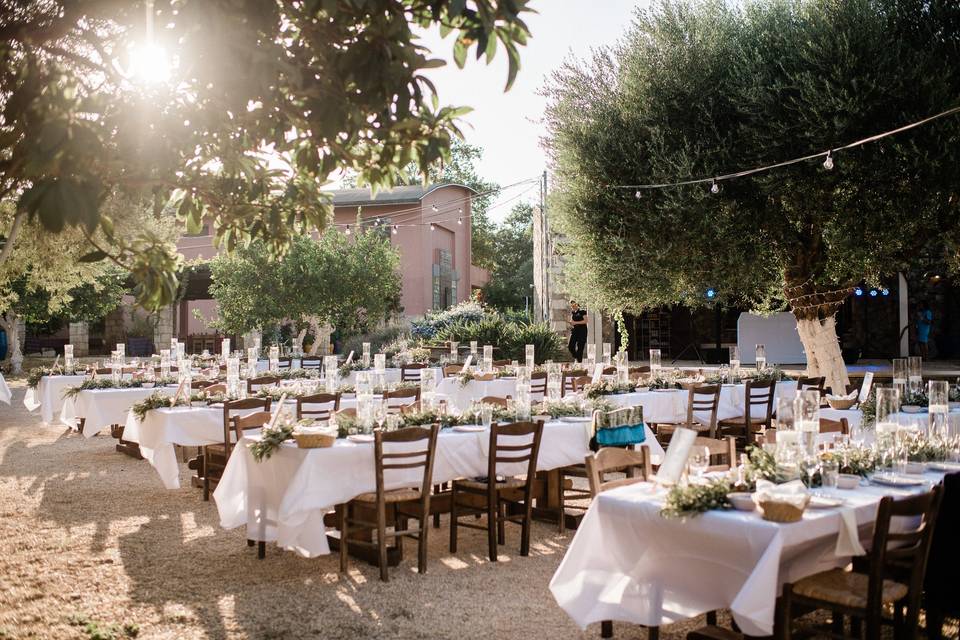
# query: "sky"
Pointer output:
{"type": "Point", "coordinates": [508, 126]}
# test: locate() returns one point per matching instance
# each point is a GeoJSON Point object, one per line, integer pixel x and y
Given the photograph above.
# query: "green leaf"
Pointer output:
{"type": "Point", "coordinates": [93, 256]}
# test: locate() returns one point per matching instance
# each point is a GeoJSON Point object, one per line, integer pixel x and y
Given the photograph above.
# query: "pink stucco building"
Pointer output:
{"type": "Point", "coordinates": [429, 226]}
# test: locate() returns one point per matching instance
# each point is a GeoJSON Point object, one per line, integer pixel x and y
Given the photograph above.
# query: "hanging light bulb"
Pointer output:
{"type": "Point", "coordinates": [459, 220]}
{"type": "Point", "coordinates": [714, 187]}
{"type": "Point", "coordinates": [460, 210]}
{"type": "Point", "coordinates": [432, 226]}
{"type": "Point", "coordinates": [828, 163]}
{"type": "Point", "coordinates": [348, 231]}
{"type": "Point", "coordinates": [638, 194]}
{"type": "Point", "coordinates": [435, 208]}
{"type": "Point", "coordinates": [394, 229]}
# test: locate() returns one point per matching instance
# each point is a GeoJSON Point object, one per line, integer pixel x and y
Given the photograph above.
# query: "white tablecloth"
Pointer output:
{"type": "Point", "coordinates": [855, 418]}
{"type": "Point", "coordinates": [101, 408]}
{"type": "Point", "coordinates": [5, 394]}
{"type": "Point", "coordinates": [460, 396]}
{"type": "Point", "coordinates": [48, 395]}
{"type": "Point", "coordinates": [629, 563]}
{"type": "Point", "coordinates": [285, 498]}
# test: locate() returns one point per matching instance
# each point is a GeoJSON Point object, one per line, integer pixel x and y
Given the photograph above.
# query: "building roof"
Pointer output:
{"type": "Point", "coordinates": [411, 194]}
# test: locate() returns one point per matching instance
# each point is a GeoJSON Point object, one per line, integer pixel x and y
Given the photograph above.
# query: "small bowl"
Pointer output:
{"type": "Point", "coordinates": [848, 481]}
{"type": "Point", "coordinates": [742, 501]}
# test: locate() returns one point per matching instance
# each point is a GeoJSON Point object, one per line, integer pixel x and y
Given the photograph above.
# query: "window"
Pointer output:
{"type": "Point", "coordinates": [445, 280]}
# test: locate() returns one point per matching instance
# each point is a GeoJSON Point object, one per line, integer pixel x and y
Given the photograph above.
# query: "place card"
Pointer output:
{"type": "Point", "coordinates": [466, 363]}
{"type": "Point", "coordinates": [597, 373]}
{"type": "Point", "coordinates": [675, 459]}
{"type": "Point", "coordinates": [350, 358]}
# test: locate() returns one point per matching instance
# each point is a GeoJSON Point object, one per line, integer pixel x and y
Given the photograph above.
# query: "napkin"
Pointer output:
{"type": "Point", "coordinates": [793, 492]}
{"type": "Point", "coordinates": [848, 540]}
{"type": "Point", "coordinates": [850, 396]}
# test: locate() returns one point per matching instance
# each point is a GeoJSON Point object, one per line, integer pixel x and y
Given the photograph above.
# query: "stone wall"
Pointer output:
{"type": "Point", "coordinates": [163, 329]}
{"type": "Point", "coordinates": [80, 339]}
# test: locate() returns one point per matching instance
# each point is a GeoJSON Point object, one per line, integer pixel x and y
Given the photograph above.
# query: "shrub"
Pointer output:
{"type": "Point", "coordinates": [547, 344]}
{"type": "Point", "coordinates": [435, 321]}
{"type": "Point", "coordinates": [377, 338]}
{"type": "Point", "coordinates": [491, 330]}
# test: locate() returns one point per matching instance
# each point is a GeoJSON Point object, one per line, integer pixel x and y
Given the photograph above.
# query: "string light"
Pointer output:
{"type": "Point", "coordinates": [638, 194]}
{"type": "Point", "coordinates": [394, 229]}
{"type": "Point", "coordinates": [460, 220]}
{"type": "Point", "coordinates": [432, 226]}
{"type": "Point", "coordinates": [435, 208]}
{"type": "Point", "coordinates": [348, 231]}
{"type": "Point", "coordinates": [826, 155]}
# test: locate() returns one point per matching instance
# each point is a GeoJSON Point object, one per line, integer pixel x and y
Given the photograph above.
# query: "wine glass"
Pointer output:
{"type": "Point", "coordinates": [809, 466]}
{"type": "Point", "coordinates": [699, 460]}
{"type": "Point", "coordinates": [380, 413]}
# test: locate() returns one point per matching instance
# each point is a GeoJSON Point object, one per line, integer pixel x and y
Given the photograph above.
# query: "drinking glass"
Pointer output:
{"type": "Point", "coordinates": [454, 353]}
{"type": "Point", "coordinates": [809, 465]}
{"type": "Point", "coordinates": [486, 415]}
{"type": "Point", "coordinates": [888, 404]}
{"type": "Point", "coordinates": [592, 354]}
{"type": "Point", "coordinates": [829, 474]}
{"type": "Point", "coordinates": [938, 391]}
{"type": "Point", "coordinates": [607, 351]}
{"type": "Point", "coordinates": [473, 347]}
{"type": "Point", "coordinates": [699, 460]}
{"type": "Point", "coordinates": [761, 357]}
{"type": "Point", "coordinates": [724, 372]}
{"type": "Point", "coordinates": [785, 419]}
{"type": "Point", "coordinates": [380, 412]}
{"type": "Point", "coordinates": [806, 411]}
{"type": "Point", "coordinates": [734, 362]}
{"type": "Point", "coordinates": [654, 362]}
{"type": "Point", "coordinates": [530, 356]}
{"type": "Point", "coordinates": [915, 373]}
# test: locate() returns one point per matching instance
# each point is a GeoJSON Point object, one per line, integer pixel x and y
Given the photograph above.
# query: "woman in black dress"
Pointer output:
{"type": "Point", "coordinates": [578, 331]}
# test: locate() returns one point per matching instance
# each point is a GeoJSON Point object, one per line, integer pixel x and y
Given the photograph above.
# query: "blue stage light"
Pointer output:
{"type": "Point", "coordinates": [858, 291]}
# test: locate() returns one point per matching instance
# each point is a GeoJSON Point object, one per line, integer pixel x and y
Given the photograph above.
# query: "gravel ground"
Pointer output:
{"type": "Point", "coordinates": [91, 546]}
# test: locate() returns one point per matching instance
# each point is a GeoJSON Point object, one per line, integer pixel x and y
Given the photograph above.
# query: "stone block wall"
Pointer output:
{"type": "Point", "coordinates": [80, 339]}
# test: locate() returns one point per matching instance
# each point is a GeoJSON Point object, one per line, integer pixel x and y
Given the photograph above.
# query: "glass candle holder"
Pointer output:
{"type": "Point", "coordinates": [380, 363]}
{"type": "Point", "coordinates": [654, 362]}
{"type": "Point", "coordinates": [915, 373]}
{"type": "Point", "coordinates": [900, 375]}
{"type": "Point", "coordinates": [531, 355]}
{"type": "Point", "coordinates": [888, 404]}
{"type": "Point", "coordinates": [473, 348]}
{"type": "Point", "coordinates": [592, 353]}
{"type": "Point", "coordinates": [735, 362]}
{"type": "Point", "coordinates": [761, 357]}
{"type": "Point", "coordinates": [806, 411]}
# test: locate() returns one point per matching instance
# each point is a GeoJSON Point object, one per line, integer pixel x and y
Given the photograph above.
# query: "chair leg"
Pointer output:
{"type": "Point", "coordinates": [436, 517]}
{"type": "Point", "coordinates": [501, 526]}
{"type": "Point", "coordinates": [206, 482]}
{"type": "Point", "coordinates": [453, 519]}
{"type": "Point", "coordinates": [261, 550]}
{"type": "Point", "coordinates": [422, 544]}
{"type": "Point", "coordinates": [382, 540]}
{"type": "Point", "coordinates": [653, 633]}
{"type": "Point", "coordinates": [712, 618]}
{"type": "Point", "coordinates": [561, 512]}
{"type": "Point", "coordinates": [836, 624]}
{"type": "Point", "coordinates": [606, 629]}
{"type": "Point", "coordinates": [345, 508]}
{"type": "Point", "coordinates": [785, 613]}
{"type": "Point", "coordinates": [492, 521]}
{"type": "Point", "coordinates": [525, 527]}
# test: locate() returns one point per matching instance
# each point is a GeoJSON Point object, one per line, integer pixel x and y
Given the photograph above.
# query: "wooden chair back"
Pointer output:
{"type": "Point", "coordinates": [350, 412]}
{"type": "Point", "coordinates": [452, 370]}
{"type": "Point", "coordinates": [580, 382]}
{"type": "Point", "coordinates": [284, 363]}
{"type": "Point", "coordinates": [906, 551]}
{"type": "Point", "coordinates": [805, 384]}
{"type": "Point", "coordinates": [703, 399]}
{"type": "Point", "coordinates": [411, 372]}
{"type": "Point", "coordinates": [758, 395]}
{"type": "Point", "coordinates": [610, 459]}
{"type": "Point", "coordinates": [502, 363]}
{"type": "Point", "coordinates": [255, 384]}
{"type": "Point", "coordinates": [724, 448]}
{"type": "Point", "coordinates": [835, 426]}
{"type": "Point", "coordinates": [319, 406]}
{"type": "Point", "coordinates": [232, 408]}
{"type": "Point", "coordinates": [216, 389]}
{"type": "Point", "coordinates": [641, 370]}
{"type": "Point", "coordinates": [538, 384]}
{"type": "Point", "coordinates": [403, 395]}
{"type": "Point", "coordinates": [200, 384]}
{"type": "Point", "coordinates": [567, 379]}
{"type": "Point", "coordinates": [311, 362]}
{"type": "Point", "coordinates": [609, 371]}
{"type": "Point", "coordinates": [250, 422]}
{"type": "Point", "coordinates": [523, 446]}
{"type": "Point", "coordinates": [405, 457]}
{"type": "Point", "coordinates": [495, 401]}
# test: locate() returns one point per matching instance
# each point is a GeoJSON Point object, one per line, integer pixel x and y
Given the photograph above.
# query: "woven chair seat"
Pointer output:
{"type": "Point", "coordinates": [846, 588]}
{"type": "Point", "coordinates": [509, 483]}
{"type": "Point", "coordinates": [394, 495]}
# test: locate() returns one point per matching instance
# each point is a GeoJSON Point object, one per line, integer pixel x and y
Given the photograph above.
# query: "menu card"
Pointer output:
{"type": "Point", "coordinates": [675, 460]}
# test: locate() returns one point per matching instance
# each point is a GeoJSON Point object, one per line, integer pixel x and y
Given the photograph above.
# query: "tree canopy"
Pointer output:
{"type": "Point", "coordinates": [511, 277]}
{"type": "Point", "coordinates": [351, 282]}
{"type": "Point", "coordinates": [702, 88]}
{"type": "Point", "coordinates": [234, 112]}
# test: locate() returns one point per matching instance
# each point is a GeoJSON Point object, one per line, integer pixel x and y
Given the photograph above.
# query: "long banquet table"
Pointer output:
{"type": "Point", "coordinates": [285, 497]}
{"type": "Point", "coordinates": [48, 395]}
{"type": "Point", "coordinates": [100, 408]}
{"type": "Point", "coordinates": [628, 563]}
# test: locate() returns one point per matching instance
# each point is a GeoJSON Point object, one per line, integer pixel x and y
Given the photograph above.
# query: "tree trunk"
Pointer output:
{"type": "Point", "coordinates": [9, 322]}
{"type": "Point", "coordinates": [824, 357]}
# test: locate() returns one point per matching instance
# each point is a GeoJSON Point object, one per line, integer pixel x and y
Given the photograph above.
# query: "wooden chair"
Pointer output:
{"type": "Point", "coordinates": [197, 385]}
{"type": "Point", "coordinates": [758, 398]}
{"type": "Point", "coordinates": [411, 372]}
{"type": "Point", "coordinates": [284, 363]}
{"type": "Point", "coordinates": [609, 371]}
{"type": "Point", "coordinates": [413, 407]}
{"type": "Point", "coordinates": [319, 406]}
{"type": "Point", "coordinates": [724, 448]}
{"type": "Point", "coordinates": [580, 382]}
{"type": "Point", "coordinates": [216, 389]}
{"type": "Point", "coordinates": [255, 384]}
{"type": "Point", "coordinates": [896, 567]}
{"type": "Point", "coordinates": [311, 362]}
{"type": "Point", "coordinates": [538, 385]}
{"type": "Point", "coordinates": [350, 412]}
{"type": "Point", "coordinates": [635, 462]}
{"type": "Point", "coordinates": [566, 384]}
{"type": "Point", "coordinates": [835, 426]}
{"type": "Point", "coordinates": [452, 370]}
{"type": "Point", "coordinates": [215, 456]}
{"type": "Point", "coordinates": [495, 401]}
{"type": "Point", "coordinates": [700, 399]}
{"type": "Point", "coordinates": [502, 363]}
{"type": "Point", "coordinates": [411, 501]}
{"type": "Point", "coordinates": [806, 384]}
{"type": "Point", "coordinates": [495, 493]}
{"type": "Point", "coordinates": [642, 370]}
{"type": "Point", "coordinates": [403, 395]}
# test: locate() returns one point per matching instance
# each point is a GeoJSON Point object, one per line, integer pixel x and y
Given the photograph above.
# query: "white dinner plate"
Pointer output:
{"type": "Point", "coordinates": [574, 419]}
{"type": "Point", "coordinates": [823, 502]}
{"type": "Point", "coordinates": [469, 428]}
{"type": "Point", "coordinates": [360, 437]}
{"type": "Point", "coordinates": [895, 481]}
{"type": "Point", "coordinates": [943, 466]}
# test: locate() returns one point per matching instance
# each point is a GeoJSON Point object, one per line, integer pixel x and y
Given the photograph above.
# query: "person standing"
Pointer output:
{"type": "Point", "coordinates": [578, 331]}
{"type": "Point", "coordinates": [924, 324]}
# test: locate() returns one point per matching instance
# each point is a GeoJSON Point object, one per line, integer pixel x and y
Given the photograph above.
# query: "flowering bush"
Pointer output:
{"type": "Point", "coordinates": [469, 311]}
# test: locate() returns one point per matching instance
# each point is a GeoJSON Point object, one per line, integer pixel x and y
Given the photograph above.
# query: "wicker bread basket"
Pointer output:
{"type": "Point", "coordinates": [314, 439]}
{"type": "Point", "coordinates": [841, 403]}
{"type": "Point", "coordinates": [777, 511]}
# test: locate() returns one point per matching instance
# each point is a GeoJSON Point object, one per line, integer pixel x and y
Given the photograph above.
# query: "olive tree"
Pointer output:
{"type": "Point", "coordinates": [703, 88]}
